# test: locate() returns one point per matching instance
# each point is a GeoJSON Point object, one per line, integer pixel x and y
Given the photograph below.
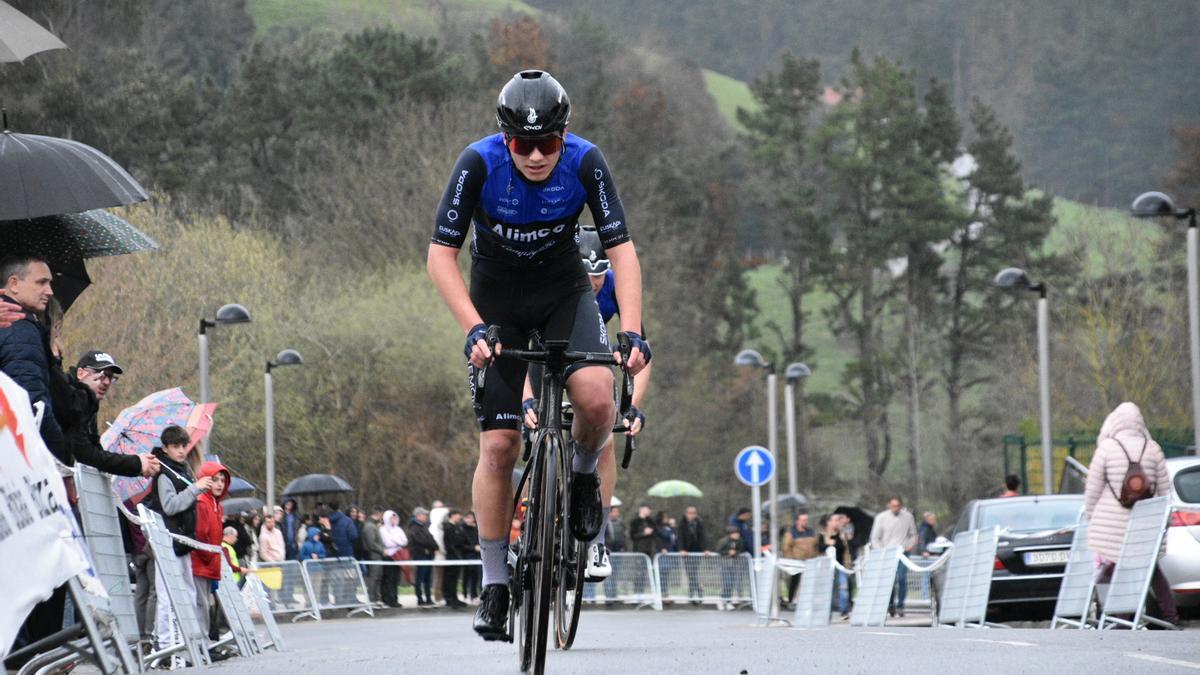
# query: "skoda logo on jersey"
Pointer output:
{"type": "Point", "coordinates": [532, 116]}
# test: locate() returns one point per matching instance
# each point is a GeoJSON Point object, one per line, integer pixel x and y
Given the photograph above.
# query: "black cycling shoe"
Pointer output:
{"type": "Point", "coordinates": [492, 613]}
{"type": "Point", "coordinates": [587, 516]}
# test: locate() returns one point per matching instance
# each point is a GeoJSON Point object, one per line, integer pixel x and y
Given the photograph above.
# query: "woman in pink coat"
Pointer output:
{"type": "Point", "coordinates": [1123, 437]}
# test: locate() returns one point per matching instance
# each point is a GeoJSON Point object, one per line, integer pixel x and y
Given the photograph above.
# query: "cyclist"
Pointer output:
{"type": "Point", "coordinates": [600, 274]}
{"type": "Point", "coordinates": [524, 190]}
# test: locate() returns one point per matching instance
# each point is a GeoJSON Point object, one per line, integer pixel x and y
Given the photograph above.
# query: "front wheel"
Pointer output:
{"type": "Point", "coordinates": [545, 538]}
{"type": "Point", "coordinates": [569, 600]}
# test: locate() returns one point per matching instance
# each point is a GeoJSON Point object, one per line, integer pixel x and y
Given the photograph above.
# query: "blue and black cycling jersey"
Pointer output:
{"type": "Point", "coordinates": [523, 224]}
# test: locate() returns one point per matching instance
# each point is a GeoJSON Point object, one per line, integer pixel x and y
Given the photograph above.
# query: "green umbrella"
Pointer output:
{"type": "Point", "coordinates": [674, 488]}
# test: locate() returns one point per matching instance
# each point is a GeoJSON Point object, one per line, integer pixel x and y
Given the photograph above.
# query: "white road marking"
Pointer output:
{"type": "Point", "coordinates": [1164, 660]}
{"type": "Point", "coordinates": [1013, 643]}
{"type": "Point", "coordinates": [872, 632]}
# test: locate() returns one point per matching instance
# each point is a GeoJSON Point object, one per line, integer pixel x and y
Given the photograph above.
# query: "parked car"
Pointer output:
{"type": "Point", "coordinates": [1181, 564]}
{"type": "Point", "coordinates": [1035, 538]}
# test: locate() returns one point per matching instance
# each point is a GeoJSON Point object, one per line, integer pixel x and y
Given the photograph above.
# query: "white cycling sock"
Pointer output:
{"type": "Point", "coordinates": [599, 538]}
{"type": "Point", "coordinates": [583, 461]}
{"type": "Point", "coordinates": [494, 554]}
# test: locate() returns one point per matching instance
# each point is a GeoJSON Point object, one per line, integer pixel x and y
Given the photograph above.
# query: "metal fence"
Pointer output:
{"type": "Point", "coordinates": [237, 616]}
{"type": "Point", "coordinates": [288, 588]}
{"type": "Point", "coordinates": [261, 605]}
{"type": "Point", "coordinates": [180, 596]}
{"type": "Point", "coordinates": [1023, 456]}
{"type": "Point", "coordinates": [1078, 584]}
{"type": "Point", "coordinates": [814, 604]}
{"type": "Point", "coordinates": [704, 578]}
{"type": "Point", "coordinates": [634, 581]}
{"type": "Point", "coordinates": [98, 511]}
{"type": "Point", "coordinates": [337, 583]}
{"type": "Point", "coordinates": [964, 598]}
{"type": "Point", "coordinates": [1139, 555]}
{"type": "Point", "coordinates": [876, 581]}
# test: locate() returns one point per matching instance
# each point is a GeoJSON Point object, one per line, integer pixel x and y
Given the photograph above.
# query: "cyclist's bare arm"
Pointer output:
{"type": "Point", "coordinates": [627, 272]}
{"type": "Point", "coordinates": [442, 266]}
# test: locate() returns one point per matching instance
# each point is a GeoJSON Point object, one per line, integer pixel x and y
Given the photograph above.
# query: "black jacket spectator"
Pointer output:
{"type": "Point", "coordinates": [25, 357]}
{"type": "Point", "coordinates": [691, 536]}
{"type": "Point", "coordinates": [75, 407]}
{"type": "Point", "coordinates": [421, 543]}
{"type": "Point", "coordinates": [642, 542]}
{"type": "Point", "coordinates": [454, 540]}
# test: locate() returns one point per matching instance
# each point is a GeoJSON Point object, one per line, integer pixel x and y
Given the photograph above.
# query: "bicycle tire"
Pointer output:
{"type": "Point", "coordinates": [522, 596]}
{"type": "Point", "coordinates": [569, 602]}
{"type": "Point", "coordinates": [543, 571]}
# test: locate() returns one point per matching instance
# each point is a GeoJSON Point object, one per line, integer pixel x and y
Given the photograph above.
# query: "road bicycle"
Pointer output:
{"type": "Point", "coordinates": [547, 563]}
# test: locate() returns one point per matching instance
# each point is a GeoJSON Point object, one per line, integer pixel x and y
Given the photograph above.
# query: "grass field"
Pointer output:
{"type": "Point", "coordinates": [730, 94]}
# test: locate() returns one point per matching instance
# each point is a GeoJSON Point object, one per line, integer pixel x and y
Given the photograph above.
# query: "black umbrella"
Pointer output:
{"type": "Point", "coordinates": [67, 240]}
{"type": "Point", "coordinates": [862, 522]}
{"type": "Point", "coordinates": [235, 505]}
{"type": "Point", "coordinates": [791, 501]}
{"type": "Point", "coordinates": [315, 484]}
{"type": "Point", "coordinates": [240, 487]}
{"type": "Point", "coordinates": [45, 176]}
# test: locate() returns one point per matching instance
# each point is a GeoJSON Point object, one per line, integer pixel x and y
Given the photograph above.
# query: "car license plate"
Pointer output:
{"type": "Point", "coordinates": [1046, 558]}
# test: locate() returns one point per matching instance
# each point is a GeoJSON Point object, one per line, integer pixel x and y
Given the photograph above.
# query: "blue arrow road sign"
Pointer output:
{"type": "Point", "coordinates": [754, 465]}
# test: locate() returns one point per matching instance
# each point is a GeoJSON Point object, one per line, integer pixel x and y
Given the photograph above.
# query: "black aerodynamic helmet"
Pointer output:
{"type": "Point", "coordinates": [591, 251]}
{"type": "Point", "coordinates": [533, 104]}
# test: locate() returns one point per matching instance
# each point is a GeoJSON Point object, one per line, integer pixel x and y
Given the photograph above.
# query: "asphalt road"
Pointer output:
{"type": "Point", "coordinates": [707, 641]}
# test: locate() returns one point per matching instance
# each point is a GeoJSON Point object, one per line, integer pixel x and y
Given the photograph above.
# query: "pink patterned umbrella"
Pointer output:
{"type": "Point", "coordinates": [138, 429]}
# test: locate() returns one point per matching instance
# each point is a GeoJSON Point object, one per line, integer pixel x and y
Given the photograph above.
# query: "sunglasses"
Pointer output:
{"type": "Point", "coordinates": [547, 145]}
{"type": "Point", "coordinates": [596, 267]}
{"type": "Point", "coordinates": [105, 375]}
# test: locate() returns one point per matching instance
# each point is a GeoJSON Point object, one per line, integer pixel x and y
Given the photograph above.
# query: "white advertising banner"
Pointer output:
{"type": "Point", "coordinates": [38, 546]}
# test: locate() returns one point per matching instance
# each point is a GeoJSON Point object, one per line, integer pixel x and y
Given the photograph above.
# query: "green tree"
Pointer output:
{"type": "Point", "coordinates": [1004, 225]}
{"type": "Point", "coordinates": [884, 192]}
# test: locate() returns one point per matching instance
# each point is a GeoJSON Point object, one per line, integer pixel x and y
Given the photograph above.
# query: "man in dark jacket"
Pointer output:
{"type": "Point", "coordinates": [342, 530]}
{"type": "Point", "coordinates": [25, 345]}
{"type": "Point", "coordinates": [691, 540]}
{"type": "Point", "coordinates": [372, 545]}
{"type": "Point", "coordinates": [644, 533]}
{"type": "Point", "coordinates": [291, 527]}
{"type": "Point", "coordinates": [422, 546]}
{"type": "Point", "coordinates": [77, 398]}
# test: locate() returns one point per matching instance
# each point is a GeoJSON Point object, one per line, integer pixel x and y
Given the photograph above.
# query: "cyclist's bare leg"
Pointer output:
{"type": "Point", "coordinates": [492, 497]}
{"type": "Point", "coordinates": [608, 474]}
{"type": "Point", "coordinates": [590, 391]}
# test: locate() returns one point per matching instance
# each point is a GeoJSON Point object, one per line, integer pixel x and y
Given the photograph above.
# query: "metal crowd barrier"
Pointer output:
{"type": "Point", "coordinates": [1078, 584]}
{"type": "Point", "coordinates": [237, 616]}
{"type": "Point", "coordinates": [337, 584]}
{"type": "Point", "coordinates": [876, 581]}
{"type": "Point", "coordinates": [182, 602]}
{"type": "Point", "coordinates": [102, 525]}
{"type": "Point", "coordinates": [814, 604]}
{"type": "Point", "coordinates": [1139, 556]}
{"type": "Point", "coordinates": [263, 604]}
{"type": "Point", "coordinates": [634, 580]}
{"type": "Point", "coordinates": [97, 629]}
{"type": "Point", "coordinates": [289, 588]}
{"type": "Point", "coordinates": [969, 579]}
{"type": "Point", "coordinates": [703, 577]}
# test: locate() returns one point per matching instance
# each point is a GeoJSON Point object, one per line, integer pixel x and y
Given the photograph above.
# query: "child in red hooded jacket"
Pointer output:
{"type": "Point", "coordinates": [206, 566]}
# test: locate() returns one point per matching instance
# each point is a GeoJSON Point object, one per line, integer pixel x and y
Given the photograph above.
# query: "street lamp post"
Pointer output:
{"type": "Point", "coordinates": [287, 357]}
{"type": "Point", "coordinates": [792, 374]}
{"type": "Point", "coordinates": [1159, 205]}
{"type": "Point", "coordinates": [751, 358]}
{"type": "Point", "coordinates": [1014, 278]}
{"type": "Point", "coordinates": [227, 314]}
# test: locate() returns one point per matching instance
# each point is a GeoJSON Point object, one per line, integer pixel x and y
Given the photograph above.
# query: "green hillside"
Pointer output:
{"type": "Point", "coordinates": [730, 94]}
{"type": "Point", "coordinates": [348, 15]}
{"type": "Point", "coordinates": [1077, 223]}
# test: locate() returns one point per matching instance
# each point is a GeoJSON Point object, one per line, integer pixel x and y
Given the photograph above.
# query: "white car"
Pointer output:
{"type": "Point", "coordinates": [1181, 564]}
